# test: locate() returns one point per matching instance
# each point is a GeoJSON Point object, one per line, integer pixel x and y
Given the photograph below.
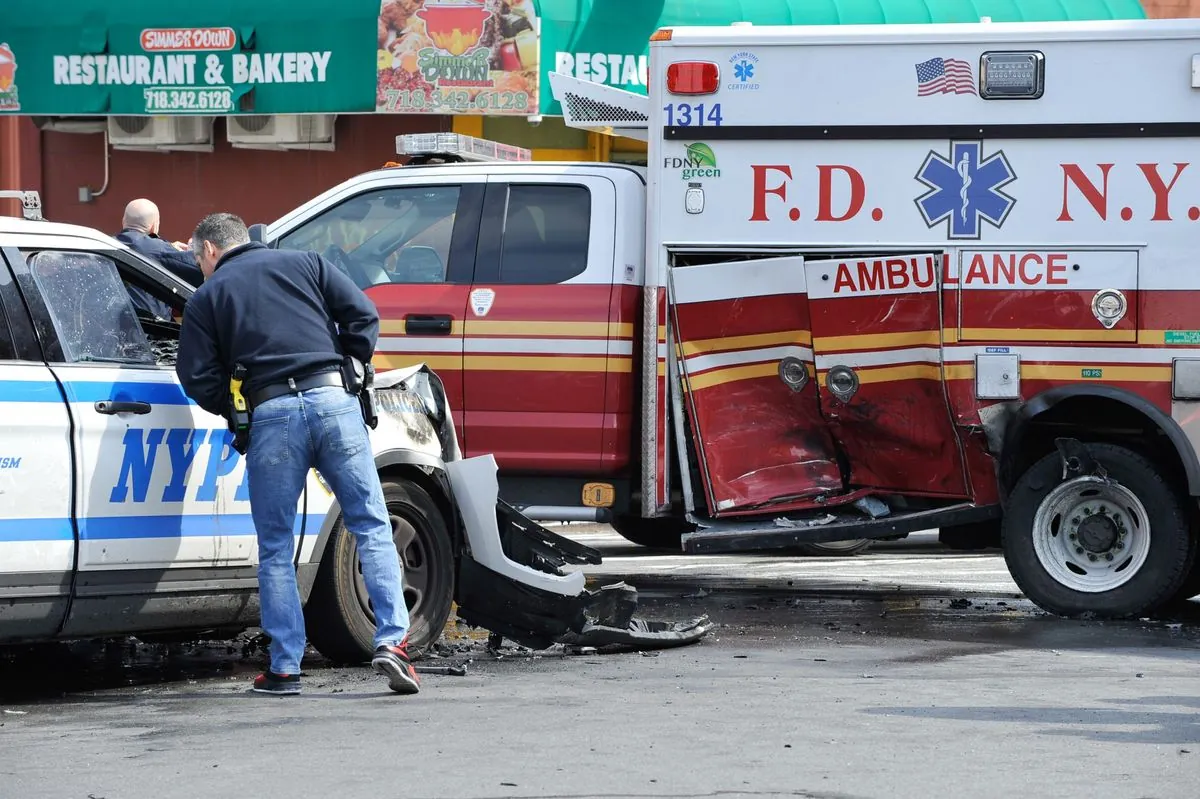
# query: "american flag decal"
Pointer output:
{"type": "Point", "coordinates": [944, 76]}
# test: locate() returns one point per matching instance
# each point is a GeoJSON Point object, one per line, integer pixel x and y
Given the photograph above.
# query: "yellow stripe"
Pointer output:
{"type": "Point", "coordinates": [798, 337]}
{"type": "Point", "coordinates": [1133, 374]}
{"type": "Point", "coordinates": [1029, 334]}
{"type": "Point", "coordinates": [872, 341]}
{"type": "Point", "coordinates": [960, 371]}
{"type": "Point", "coordinates": [506, 363]}
{"type": "Point", "coordinates": [403, 360]}
{"type": "Point", "coordinates": [479, 327]}
{"type": "Point", "coordinates": [719, 377]}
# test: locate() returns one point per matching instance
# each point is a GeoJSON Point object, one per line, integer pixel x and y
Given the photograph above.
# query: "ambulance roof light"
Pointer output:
{"type": "Point", "coordinates": [661, 35]}
{"type": "Point", "coordinates": [31, 202]}
{"type": "Point", "coordinates": [457, 147]}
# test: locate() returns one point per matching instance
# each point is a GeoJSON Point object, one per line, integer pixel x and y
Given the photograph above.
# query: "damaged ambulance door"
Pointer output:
{"type": "Point", "coordinates": [742, 335]}
{"type": "Point", "coordinates": [877, 339]}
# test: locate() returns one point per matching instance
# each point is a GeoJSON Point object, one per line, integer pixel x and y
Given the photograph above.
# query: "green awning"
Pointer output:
{"type": "Point", "coordinates": [84, 57]}
{"type": "Point", "coordinates": [594, 39]}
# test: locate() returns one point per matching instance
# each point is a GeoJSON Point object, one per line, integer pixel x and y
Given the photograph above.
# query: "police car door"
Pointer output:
{"type": "Point", "coordinates": [37, 537]}
{"type": "Point", "coordinates": [151, 468]}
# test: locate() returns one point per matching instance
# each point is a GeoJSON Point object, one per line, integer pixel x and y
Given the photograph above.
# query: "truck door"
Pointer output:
{"type": "Point", "coordinates": [37, 537]}
{"type": "Point", "coordinates": [411, 247]}
{"type": "Point", "coordinates": [877, 337]}
{"type": "Point", "coordinates": [742, 333]}
{"type": "Point", "coordinates": [538, 346]}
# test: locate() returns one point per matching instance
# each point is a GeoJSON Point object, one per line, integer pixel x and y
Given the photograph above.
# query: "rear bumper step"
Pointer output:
{"type": "Point", "coordinates": [785, 531]}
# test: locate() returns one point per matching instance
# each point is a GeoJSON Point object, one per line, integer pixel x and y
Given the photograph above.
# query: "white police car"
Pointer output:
{"type": "Point", "coordinates": [124, 509]}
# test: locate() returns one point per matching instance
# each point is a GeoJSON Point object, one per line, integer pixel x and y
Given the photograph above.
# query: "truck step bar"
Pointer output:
{"type": "Point", "coordinates": [786, 531]}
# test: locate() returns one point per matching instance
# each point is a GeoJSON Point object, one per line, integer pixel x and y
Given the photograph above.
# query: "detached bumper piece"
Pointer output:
{"type": "Point", "coordinates": [512, 580]}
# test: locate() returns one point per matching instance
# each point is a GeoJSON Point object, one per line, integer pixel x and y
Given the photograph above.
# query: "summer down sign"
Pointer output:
{"type": "Point", "coordinates": [133, 57]}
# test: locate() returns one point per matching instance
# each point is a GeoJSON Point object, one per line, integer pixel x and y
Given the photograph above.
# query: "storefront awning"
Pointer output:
{"type": "Point", "coordinates": [607, 40]}
{"type": "Point", "coordinates": [99, 57]}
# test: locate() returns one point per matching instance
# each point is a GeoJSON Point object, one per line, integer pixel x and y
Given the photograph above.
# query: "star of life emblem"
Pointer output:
{"type": "Point", "coordinates": [965, 189]}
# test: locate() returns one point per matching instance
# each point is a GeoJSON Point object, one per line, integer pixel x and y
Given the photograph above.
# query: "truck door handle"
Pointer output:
{"type": "Point", "coordinates": [111, 407]}
{"type": "Point", "coordinates": [429, 325]}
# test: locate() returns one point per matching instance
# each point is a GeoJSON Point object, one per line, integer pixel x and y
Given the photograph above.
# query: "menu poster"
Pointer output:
{"type": "Point", "coordinates": [458, 57]}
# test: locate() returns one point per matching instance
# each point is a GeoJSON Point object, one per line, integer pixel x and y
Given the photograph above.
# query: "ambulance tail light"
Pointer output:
{"type": "Point", "coordinates": [693, 77]}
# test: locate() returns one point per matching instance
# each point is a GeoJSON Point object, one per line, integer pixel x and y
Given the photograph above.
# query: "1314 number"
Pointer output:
{"type": "Point", "coordinates": [687, 116]}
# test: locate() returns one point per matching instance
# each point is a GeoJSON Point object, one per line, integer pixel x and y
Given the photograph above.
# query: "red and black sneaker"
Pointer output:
{"type": "Point", "coordinates": [393, 661]}
{"type": "Point", "coordinates": [278, 684]}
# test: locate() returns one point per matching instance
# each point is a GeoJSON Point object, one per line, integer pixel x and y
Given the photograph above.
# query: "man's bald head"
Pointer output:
{"type": "Point", "coordinates": [141, 214]}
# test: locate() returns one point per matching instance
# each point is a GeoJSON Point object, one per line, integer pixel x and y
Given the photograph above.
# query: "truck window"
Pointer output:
{"type": "Point", "coordinates": [394, 235]}
{"type": "Point", "coordinates": [545, 234]}
{"type": "Point", "coordinates": [90, 307]}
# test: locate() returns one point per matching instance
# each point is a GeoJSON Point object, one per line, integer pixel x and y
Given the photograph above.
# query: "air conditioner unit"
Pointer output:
{"type": "Point", "coordinates": [193, 133]}
{"type": "Point", "coordinates": [281, 131]}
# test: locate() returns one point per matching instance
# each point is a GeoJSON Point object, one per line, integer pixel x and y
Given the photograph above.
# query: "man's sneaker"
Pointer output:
{"type": "Point", "coordinates": [393, 662]}
{"type": "Point", "coordinates": [278, 684]}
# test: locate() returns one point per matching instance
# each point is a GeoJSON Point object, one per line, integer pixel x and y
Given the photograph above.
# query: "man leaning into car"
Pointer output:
{"type": "Point", "coordinates": [290, 318]}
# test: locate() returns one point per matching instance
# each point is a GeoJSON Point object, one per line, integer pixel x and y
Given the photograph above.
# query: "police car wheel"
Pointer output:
{"type": "Point", "coordinates": [340, 622]}
{"type": "Point", "coordinates": [1112, 547]}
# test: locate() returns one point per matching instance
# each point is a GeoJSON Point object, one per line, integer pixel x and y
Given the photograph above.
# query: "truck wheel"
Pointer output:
{"type": "Point", "coordinates": [340, 621]}
{"type": "Point", "coordinates": [843, 549]}
{"type": "Point", "coordinates": [1111, 547]}
{"type": "Point", "coordinates": [663, 533]}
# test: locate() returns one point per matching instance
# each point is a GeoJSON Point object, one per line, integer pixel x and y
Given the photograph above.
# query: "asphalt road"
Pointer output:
{"type": "Point", "coordinates": [799, 691]}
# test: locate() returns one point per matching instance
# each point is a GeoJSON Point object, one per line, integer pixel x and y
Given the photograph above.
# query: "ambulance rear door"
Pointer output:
{"type": "Point", "coordinates": [741, 329]}
{"type": "Point", "coordinates": [877, 342]}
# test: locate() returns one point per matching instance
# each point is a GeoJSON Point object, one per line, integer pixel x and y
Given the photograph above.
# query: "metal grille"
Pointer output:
{"type": "Point", "coordinates": [585, 109]}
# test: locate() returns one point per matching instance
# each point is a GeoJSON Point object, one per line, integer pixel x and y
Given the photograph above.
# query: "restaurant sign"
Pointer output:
{"type": "Point", "coordinates": [458, 57]}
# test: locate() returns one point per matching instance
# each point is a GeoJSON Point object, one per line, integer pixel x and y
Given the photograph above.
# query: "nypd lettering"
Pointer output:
{"type": "Point", "coordinates": [179, 450]}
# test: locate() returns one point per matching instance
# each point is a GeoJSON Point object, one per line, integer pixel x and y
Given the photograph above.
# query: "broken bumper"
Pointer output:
{"type": "Point", "coordinates": [512, 580]}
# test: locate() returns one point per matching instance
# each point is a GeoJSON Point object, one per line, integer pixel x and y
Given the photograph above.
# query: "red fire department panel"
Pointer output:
{"type": "Point", "coordinates": [760, 439]}
{"type": "Point", "coordinates": [877, 340]}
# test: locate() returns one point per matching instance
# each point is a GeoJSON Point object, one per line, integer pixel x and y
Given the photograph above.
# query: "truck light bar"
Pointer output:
{"type": "Point", "coordinates": [457, 147]}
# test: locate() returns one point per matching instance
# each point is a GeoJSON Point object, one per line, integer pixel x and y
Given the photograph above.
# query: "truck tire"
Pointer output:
{"type": "Point", "coordinates": [338, 615]}
{"type": "Point", "coordinates": [662, 533]}
{"type": "Point", "coordinates": [1111, 548]}
{"type": "Point", "coordinates": [834, 549]}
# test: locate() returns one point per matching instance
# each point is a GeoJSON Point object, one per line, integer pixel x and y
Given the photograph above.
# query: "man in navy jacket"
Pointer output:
{"type": "Point", "coordinates": [139, 230]}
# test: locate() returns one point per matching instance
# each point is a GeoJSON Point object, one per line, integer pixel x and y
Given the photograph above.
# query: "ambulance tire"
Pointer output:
{"type": "Point", "coordinates": [663, 533]}
{"type": "Point", "coordinates": [835, 549]}
{"type": "Point", "coordinates": [340, 624]}
{"type": "Point", "coordinates": [1164, 552]}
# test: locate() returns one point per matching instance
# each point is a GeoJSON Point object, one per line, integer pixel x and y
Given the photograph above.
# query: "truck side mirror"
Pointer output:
{"type": "Point", "coordinates": [258, 233]}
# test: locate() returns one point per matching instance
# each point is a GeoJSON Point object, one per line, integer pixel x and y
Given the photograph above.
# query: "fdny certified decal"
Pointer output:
{"type": "Point", "coordinates": [965, 189]}
{"type": "Point", "coordinates": [745, 72]}
{"type": "Point", "coordinates": [481, 301]}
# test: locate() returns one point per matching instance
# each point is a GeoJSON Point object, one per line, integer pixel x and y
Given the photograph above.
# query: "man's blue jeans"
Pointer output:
{"type": "Point", "coordinates": [289, 435]}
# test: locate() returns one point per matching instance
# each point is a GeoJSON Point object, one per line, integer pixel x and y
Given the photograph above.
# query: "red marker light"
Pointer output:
{"type": "Point", "coordinates": [693, 77]}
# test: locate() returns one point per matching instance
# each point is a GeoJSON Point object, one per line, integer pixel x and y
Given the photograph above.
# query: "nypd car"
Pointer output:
{"type": "Point", "coordinates": [124, 509]}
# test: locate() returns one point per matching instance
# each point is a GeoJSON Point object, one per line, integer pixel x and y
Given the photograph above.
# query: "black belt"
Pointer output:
{"type": "Point", "coordinates": [295, 385]}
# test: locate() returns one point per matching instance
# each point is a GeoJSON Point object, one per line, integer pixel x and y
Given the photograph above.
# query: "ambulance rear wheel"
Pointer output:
{"type": "Point", "coordinates": [664, 533]}
{"type": "Point", "coordinates": [339, 615]}
{"type": "Point", "coordinates": [842, 549]}
{"type": "Point", "coordinates": [1112, 547]}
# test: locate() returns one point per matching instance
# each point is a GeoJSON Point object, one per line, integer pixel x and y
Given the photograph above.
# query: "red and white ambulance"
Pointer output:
{"type": "Point", "coordinates": [875, 279]}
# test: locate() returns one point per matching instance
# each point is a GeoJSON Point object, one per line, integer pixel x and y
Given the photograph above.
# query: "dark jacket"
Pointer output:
{"type": "Point", "coordinates": [181, 264]}
{"type": "Point", "coordinates": [274, 312]}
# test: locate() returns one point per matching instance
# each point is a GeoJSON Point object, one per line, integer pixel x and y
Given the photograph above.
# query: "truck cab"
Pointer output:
{"type": "Point", "coordinates": [519, 283]}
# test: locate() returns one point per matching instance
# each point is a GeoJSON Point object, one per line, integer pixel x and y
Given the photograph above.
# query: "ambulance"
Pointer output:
{"type": "Point", "coordinates": [874, 280]}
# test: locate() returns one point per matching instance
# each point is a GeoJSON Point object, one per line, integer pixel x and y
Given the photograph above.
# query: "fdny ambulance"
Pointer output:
{"type": "Point", "coordinates": [875, 279]}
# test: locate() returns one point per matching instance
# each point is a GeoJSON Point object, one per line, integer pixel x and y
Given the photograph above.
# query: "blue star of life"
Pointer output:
{"type": "Point", "coordinates": [965, 189]}
{"type": "Point", "coordinates": [743, 70]}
